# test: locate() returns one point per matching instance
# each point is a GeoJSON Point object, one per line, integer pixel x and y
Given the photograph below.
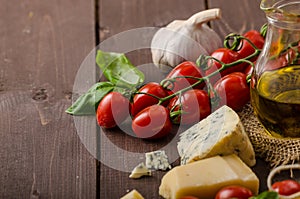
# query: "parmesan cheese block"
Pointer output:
{"type": "Point", "coordinates": [221, 133]}
{"type": "Point", "coordinates": [204, 178]}
{"type": "Point", "coordinates": [134, 194]}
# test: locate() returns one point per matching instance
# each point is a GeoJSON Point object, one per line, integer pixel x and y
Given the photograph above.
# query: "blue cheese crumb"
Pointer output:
{"type": "Point", "coordinates": [157, 160]}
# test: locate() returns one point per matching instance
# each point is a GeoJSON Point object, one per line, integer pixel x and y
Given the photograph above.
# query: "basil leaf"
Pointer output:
{"type": "Point", "coordinates": [87, 103]}
{"type": "Point", "coordinates": [118, 70]}
{"type": "Point", "coordinates": [267, 195]}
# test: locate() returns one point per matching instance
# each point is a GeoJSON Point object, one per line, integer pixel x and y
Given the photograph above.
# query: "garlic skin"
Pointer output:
{"type": "Point", "coordinates": [183, 40]}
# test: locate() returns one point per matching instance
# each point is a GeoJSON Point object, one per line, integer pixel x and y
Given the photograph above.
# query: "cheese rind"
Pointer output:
{"type": "Point", "coordinates": [221, 133]}
{"type": "Point", "coordinates": [204, 178]}
{"type": "Point", "coordinates": [134, 194]}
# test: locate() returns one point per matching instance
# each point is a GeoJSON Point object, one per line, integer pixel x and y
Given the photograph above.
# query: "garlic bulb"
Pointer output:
{"type": "Point", "coordinates": [185, 40]}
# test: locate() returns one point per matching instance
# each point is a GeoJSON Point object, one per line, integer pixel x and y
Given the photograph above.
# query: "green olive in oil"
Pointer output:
{"type": "Point", "coordinates": [275, 98]}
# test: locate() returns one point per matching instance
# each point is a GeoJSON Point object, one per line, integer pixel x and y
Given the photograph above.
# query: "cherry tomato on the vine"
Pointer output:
{"type": "Point", "coordinates": [141, 101]}
{"type": "Point", "coordinates": [246, 48]}
{"type": "Point", "coordinates": [233, 90]}
{"type": "Point", "coordinates": [152, 122]}
{"type": "Point", "coordinates": [194, 105]}
{"type": "Point", "coordinates": [234, 191]}
{"type": "Point", "coordinates": [248, 70]}
{"type": "Point", "coordinates": [226, 56]}
{"type": "Point", "coordinates": [113, 109]}
{"type": "Point", "coordinates": [286, 187]}
{"type": "Point", "coordinates": [186, 68]}
{"type": "Point", "coordinates": [282, 60]}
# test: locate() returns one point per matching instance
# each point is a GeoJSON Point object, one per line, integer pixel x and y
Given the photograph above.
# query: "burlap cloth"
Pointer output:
{"type": "Point", "coordinates": [276, 151]}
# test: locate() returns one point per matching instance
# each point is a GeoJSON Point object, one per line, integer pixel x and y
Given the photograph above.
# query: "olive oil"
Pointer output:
{"type": "Point", "coordinates": [275, 98]}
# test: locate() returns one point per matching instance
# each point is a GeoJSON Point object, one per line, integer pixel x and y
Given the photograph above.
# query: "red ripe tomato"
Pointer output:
{"type": "Point", "coordinates": [274, 64]}
{"type": "Point", "coordinates": [283, 60]}
{"type": "Point", "coordinates": [189, 197]}
{"type": "Point", "coordinates": [286, 187]}
{"type": "Point", "coordinates": [152, 122]}
{"type": "Point", "coordinates": [248, 70]}
{"type": "Point", "coordinates": [113, 109]}
{"type": "Point", "coordinates": [186, 68]}
{"type": "Point", "coordinates": [233, 90]}
{"type": "Point", "coordinates": [246, 48]}
{"type": "Point", "coordinates": [141, 101]}
{"type": "Point", "coordinates": [234, 191]}
{"type": "Point", "coordinates": [226, 56]}
{"type": "Point", "coordinates": [194, 105]}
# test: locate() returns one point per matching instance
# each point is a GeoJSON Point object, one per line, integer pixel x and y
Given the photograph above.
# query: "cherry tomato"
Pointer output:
{"type": "Point", "coordinates": [141, 101]}
{"type": "Point", "coordinates": [233, 90]}
{"type": "Point", "coordinates": [189, 197]}
{"type": "Point", "coordinates": [274, 64]}
{"type": "Point", "coordinates": [286, 187]}
{"type": "Point", "coordinates": [246, 48]}
{"type": "Point", "coordinates": [186, 68]}
{"type": "Point", "coordinates": [248, 70]}
{"type": "Point", "coordinates": [226, 56]}
{"type": "Point", "coordinates": [234, 191]}
{"type": "Point", "coordinates": [152, 122]}
{"type": "Point", "coordinates": [113, 109]}
{"type": "Point", "coordinates": [194, 104]}
{"type": "Point", "coordinates": [281, 61]}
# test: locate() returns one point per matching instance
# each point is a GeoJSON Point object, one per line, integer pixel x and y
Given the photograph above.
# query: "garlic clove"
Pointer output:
{"type": "Point", "coordinates": [169, 48]}
{"type": "Point", "coordinates": [211, 43]}
{"type": "Point", "coordinates": [203, 17]}
{"type": "Point", "coordinates": [185, 40]}
{"type": "Point", "coordinates": [175, 24]}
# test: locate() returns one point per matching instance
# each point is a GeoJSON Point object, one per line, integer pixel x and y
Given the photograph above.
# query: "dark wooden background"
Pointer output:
{"type": "Point", "coordinates": [42, 46]}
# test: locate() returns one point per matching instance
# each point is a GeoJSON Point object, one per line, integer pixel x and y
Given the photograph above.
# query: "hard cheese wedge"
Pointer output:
{"type": "Point", "coordinates": [140, 171]}
{"type": "Point", "coordinates": [134, 194]}
{"type": "Point", "coordinates": [221, 133]}
{"type": "Point", "coordinates": [206, 177]}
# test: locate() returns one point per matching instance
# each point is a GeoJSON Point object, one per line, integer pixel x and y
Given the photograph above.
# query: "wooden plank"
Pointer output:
{"type": "Point", "coordinates": [238, 16]}
{"type": "Point", "coordinates": [42, 45]}
{"type": "Point", "coordinates": [116, 17]}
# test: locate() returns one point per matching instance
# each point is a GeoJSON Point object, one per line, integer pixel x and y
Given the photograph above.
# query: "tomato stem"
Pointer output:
{"type": "Point", "coordinates": [202, 62]}
{"type": "Point", "coordinates": [138, 92]}
{"type": "Point", "coordinates": [263, 30]}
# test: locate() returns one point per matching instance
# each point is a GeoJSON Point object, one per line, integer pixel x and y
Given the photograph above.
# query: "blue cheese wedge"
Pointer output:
{"type": "Point", "coordinates": [139, 171]}
{"type": "Point", "coordinates": [221, 133]}
{"type": "Point", "coordinates": [157, 160]}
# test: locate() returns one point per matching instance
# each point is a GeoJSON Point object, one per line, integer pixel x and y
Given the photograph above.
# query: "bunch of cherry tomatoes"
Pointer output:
{"type": "Point", "coordinates": [188, 94]}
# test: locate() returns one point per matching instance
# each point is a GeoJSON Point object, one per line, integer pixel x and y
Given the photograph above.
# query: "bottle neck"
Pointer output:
{"type": "Point", "coordinates": [284, 23]}
{"type": "Point", "coordinates": [284, 14]}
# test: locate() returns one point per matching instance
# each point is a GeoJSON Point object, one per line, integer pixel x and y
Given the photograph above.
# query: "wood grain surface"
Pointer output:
{"type": "Point", "coordinates": [237, 16]}
{"type": "Point", "coordinates": [114, 182]}
{"type": "Point", "coordinates": [42, 45]}
{"type": "Point", "coordinates": [131, 15]}
{"type": "Point", "coordinates": [46, 153]}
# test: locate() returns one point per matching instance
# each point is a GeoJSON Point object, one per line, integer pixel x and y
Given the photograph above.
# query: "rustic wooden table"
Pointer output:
{"type": "Point", "coordinates": [43, 44]}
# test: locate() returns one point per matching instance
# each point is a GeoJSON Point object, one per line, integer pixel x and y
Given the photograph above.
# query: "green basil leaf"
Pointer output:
{"type": "Point", "coordinates": [118, 69]}
{"type": "Point", "coordinates": [267, 195]}
{"type": "Point", "coordinates": [87, 103]}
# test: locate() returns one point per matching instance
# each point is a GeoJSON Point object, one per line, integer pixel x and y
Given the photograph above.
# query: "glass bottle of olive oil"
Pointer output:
{"type": "Point", "coordinates": [276, 99]}
{"type": "Point", "coordinates": [275, 82]}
